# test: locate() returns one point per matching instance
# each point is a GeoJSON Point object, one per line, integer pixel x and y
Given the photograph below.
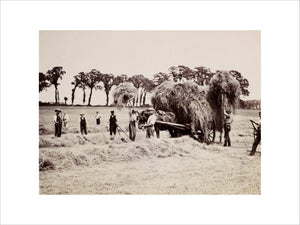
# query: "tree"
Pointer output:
{"type": "Point", "coordinates": [160, 77]}
{"type": "Point", "coordinates": [249, 104]}
{"type": "Point", "coordinates": [93, 79]}
{"type": "Point", "coordinates": [53, 76]}
{"type": "Point", "coordinates": [244, 83]}
{"type": "Point", "coordinates": [148, 86]}
{"type": "Point", "coordinates": [185, 72]}
{"type": "Point", "coordinates": [174, 70]}
{"type": "Point", "coordinates": [118, 80]}
{"type": "Point", "coordinates": [109, 81]}
{"type": "Point", "coordinates": [43, 82]}
{"type": "Point", "coordinates": [203, 75]}
{"type": "Point", "coordinates": [66, 99]}
{"type": "Point", "coordinates": [83, 84]}
{"type": "Point", "coordinates": [137, 81]}
{"type": "Point", "coordinates": [80, 81]}
{"type": "Point", "coordinates": [76, 83]}
{"type": "Point", "coordinates": [124, 77]}
{"type": "Point", "coordinates": [180, 72]}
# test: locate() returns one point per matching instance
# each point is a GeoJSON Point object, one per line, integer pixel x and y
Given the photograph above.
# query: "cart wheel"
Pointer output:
{"type": "Point", "coordinates": [211, 134]}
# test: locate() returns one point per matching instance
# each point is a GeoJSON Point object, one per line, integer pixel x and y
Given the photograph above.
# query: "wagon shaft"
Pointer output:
{"type": "Point", "coordinates": [175, 125]}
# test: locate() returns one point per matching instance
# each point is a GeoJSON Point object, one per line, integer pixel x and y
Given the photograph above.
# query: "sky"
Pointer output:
{"type": "Point", "coordinates": [147, 53]}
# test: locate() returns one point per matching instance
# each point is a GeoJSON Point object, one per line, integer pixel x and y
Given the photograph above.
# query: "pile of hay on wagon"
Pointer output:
{"type": "Point", "coordinates": [199, 106]}
{"type": "Point", "coordinates": [223, 94]}
{"type": "Point", "coordinates": [124, 93]}
{"type": "Point", "coordinates": [187, 101]}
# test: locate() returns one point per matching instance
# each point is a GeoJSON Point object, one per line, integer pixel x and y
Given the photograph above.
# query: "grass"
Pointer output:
{"type": "Point", "coordinates": [94, 164]}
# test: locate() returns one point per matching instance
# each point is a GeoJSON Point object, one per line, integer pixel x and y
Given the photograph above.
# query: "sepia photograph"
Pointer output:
{"type": "Point", "coordinates": [149, 112]}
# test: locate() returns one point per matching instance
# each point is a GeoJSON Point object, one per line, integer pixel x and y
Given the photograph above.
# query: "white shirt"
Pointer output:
{"type": "Point", "coordinates": [98, 116]}
{"type": "Point", "coordinates": [152, 119]}
{"type": "Point", "coordinates": [55, 117]}
{"type": "Point", "coordinates": [83, 117]}
{"type": "Point", "coordinates": [66, 117]}
{"type": "Point", "coordinates": [133, 117]}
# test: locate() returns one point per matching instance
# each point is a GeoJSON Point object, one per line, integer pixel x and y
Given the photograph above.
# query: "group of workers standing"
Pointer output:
{"type": "Point", "coordinates": [62, 118]}
{"type": "Point", "coordinates": [133, 118]}
{"type": "Point", "coordinates": [59, 119]}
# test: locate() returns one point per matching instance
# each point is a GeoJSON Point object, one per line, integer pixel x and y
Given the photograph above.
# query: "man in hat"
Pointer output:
{"type": "Point", "coordinates": [97, 118]}
{"type": "Point", "coordinates": [112, 124]}
{"type": "Point", "coordinates": [227, 127]}
{"type": "Point", "coordinates": [258, 136]}
{"type": "Point", "coordinates": [132, 125]}
{"type": "Point", "coordinates": [150, 124]}
{"type": "Point", "coordinates": [83, 123]}
{"type": "Point", "coordinates": [58, 122]}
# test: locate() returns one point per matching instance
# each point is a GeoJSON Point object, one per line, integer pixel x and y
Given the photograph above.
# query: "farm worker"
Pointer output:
{"type": "Point", "coordinates": [258, 137]}
{"type": "Point", "coordinates": [150, 125]}
{"type": "Point", "coordinates": [83, 123]}
{"type": "Point", "coordinates": [132, 124]}
{"type": "Point", "coordinates": [112, 124]}
{"type": "Point", "coordinates": [97, 118]}
{"type": "Point", "coordinates": [57, 122]}
{"type": "Point", "coordinates": [227, 127]}
{"type": "Point", "coordinates": [65, 119]}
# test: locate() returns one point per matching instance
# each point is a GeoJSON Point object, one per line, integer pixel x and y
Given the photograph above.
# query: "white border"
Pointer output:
{"type": "Point", "coordinates": [20, 23]}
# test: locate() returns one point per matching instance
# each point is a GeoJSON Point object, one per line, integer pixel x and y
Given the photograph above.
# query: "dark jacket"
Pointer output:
{"type": "Point", "coordinates": [113, 120]}
{"type": "Point", "coordinates": [82, 122]}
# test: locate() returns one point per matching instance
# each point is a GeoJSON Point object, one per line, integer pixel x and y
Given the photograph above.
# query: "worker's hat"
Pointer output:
{"type": "Point", "coordinates": [57, 110]}
{"type": "Point", "coordinates": [81, 114]}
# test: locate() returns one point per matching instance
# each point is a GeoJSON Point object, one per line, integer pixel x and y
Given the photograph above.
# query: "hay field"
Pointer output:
{"type": "Point", "coordinates": [94, 164]}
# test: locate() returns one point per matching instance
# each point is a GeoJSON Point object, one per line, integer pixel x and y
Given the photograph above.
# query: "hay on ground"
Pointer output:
{"type": "Point", "coordinates": [187, 101]}
{"type": "Point", "coordinates": [45, 164]}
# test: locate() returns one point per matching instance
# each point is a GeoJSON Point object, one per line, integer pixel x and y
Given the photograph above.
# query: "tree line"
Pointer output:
{"type": "Point", "coordinates": [96, 80]}
{"type": "Point", "coordinates": [250, 104]}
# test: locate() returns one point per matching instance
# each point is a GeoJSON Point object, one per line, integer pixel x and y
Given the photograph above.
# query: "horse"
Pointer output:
{"type": "Point", "coordinates": [161, 116]}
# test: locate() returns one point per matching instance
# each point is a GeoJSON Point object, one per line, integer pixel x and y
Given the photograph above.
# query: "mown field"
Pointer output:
{"type": "Point", "coordinates": [94, 164]}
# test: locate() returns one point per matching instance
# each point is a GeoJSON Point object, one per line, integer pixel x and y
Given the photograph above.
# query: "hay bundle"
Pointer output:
{"type": "Point", "coordinates": [46, 164]}
{"type": "Point", "coordinates": [187, 101]}
{"type": "Point", "coordinates": [224, 91]}
{"type": "Point", "coordinates": [124, 93]}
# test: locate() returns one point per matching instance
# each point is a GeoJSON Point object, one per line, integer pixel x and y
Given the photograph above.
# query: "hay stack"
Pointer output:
{"type": "Point", "coordinates": [224, 91]}
{"type": "Point", "coordinates": [187, 101]}
{"type": "Point", "coordinates": [123, 93]}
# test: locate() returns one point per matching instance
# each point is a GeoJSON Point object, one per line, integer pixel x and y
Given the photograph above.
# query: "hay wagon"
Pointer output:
{"type": "Point", "coordinates": [177, 130]}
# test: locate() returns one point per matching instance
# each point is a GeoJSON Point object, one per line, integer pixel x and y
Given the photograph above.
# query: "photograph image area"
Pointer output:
{"type": "Point", "coordinates": [150, 112]}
